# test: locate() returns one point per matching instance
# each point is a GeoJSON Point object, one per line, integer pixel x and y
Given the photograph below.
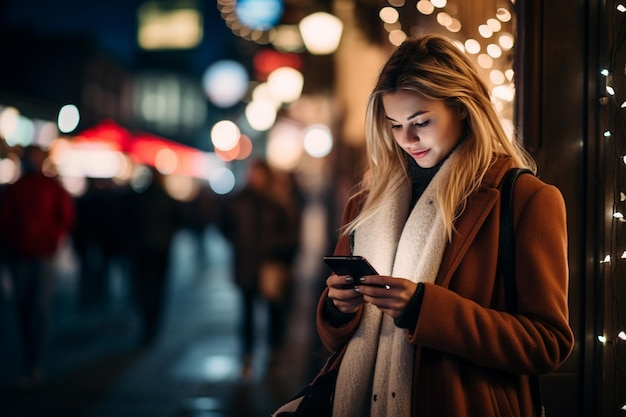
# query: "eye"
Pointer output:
{"type": "Point", "coordinates": [396, 126]}
{"type": "Point", "coordinates": [423, 124]}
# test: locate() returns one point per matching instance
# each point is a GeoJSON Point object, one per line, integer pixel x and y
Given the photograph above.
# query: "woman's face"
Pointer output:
{"type": "Point", "coordinates": [428, 130]}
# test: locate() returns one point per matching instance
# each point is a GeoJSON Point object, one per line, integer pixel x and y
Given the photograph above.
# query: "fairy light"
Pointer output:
{"type": "Point", "coordinates": [610, 109]}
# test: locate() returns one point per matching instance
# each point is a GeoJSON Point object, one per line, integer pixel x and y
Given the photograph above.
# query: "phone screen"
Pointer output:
{"type": "Point", "coordinates": [356, 266]}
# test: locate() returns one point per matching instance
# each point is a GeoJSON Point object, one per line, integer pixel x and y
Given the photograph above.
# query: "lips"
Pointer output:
{"type": "Point", "coordinates": [419, 153]}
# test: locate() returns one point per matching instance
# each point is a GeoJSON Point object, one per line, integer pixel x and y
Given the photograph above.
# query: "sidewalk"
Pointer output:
{"type": "Point", "coordinates": [96, 368]}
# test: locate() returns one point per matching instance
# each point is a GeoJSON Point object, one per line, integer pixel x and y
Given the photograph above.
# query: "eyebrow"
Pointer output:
{"type": "Point", "coordinates": [414, 115]}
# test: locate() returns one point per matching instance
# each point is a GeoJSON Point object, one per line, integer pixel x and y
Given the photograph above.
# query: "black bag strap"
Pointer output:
{"type": "Point", "coordinates": [506, 261]}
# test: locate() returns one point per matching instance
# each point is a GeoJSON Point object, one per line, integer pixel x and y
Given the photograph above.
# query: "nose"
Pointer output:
{"type": "Point", "coordinates": [409, 134]}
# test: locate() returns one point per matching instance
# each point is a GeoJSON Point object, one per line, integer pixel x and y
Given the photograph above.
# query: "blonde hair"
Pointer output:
{"type": "Point", "coordinates": [432, 66]}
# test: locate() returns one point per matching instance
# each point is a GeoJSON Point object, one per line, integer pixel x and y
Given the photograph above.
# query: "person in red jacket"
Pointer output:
{"type": "Point", "coordinates": [36, 214]}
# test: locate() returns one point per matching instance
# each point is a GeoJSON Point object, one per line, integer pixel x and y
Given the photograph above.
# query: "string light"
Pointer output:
{"type": "Point", "coordinates": [613, 240]}
{"type": "Point", "coordinates": [621, 337]}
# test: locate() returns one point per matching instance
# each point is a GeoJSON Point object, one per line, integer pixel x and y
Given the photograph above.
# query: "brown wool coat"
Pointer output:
{"type": "Point", "coordinates": [471, 357]}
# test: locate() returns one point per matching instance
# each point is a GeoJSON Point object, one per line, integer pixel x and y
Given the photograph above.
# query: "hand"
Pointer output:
{"type": "Point", "coordinates": [389, 294]}
{"type": "Point", "coordinates": [341, 291]}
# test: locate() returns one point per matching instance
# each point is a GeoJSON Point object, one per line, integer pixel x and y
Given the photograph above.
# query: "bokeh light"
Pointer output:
{"type": "Point", "coordinates": [68, 118]}
{"type": "Point", "coordinates": [225, 83]}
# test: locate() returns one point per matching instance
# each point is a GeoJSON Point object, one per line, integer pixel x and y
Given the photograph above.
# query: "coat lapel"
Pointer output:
{"type": "Point", "coordinates": [467, 227]}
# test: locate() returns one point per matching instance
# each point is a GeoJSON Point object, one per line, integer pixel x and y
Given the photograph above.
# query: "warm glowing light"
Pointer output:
{"type": "Point", "coordinates": [8, 170]}
{"type": "Point", "coordinates": [439, 3]}
{"type": "Point", "coordinates": [454, 26]}
{"type": "Point", "coordinates": [321, 33]}
{"type": "Point", "coordinates": [318, 140]}
{"type": "Point", "coordinates": [506, 41]}
{"type": "Point", "coordinates": [286, 84]}
{"type": "Point", "coordinates": [494, 24]}
{"type": "Point", "coordinates": [425, 7]}
{"type": "Point", "coordinates": [624, 255]}
{"type": "Point", "coordinates": [606, 260]}
{"type": "Point", "coordinates": [263, 92]}
{"type": "Point", "coordinates": [389, 15]}
{"type": "Point", "coordinates": [396, 37]}
{"type": "Point", "coordinates": [444, 19]}
{"type": "Point", "coordinates": [287, 38]}
{"type": "Point", "coordinates": [621, 8]}
{"type": "Point", "coordinates": [604, 72]}
{"type": "Point", "coordinates": [224, 135]}
{"type": "Point", "coordinates": [261, 114]}
{"type": "Point", "coordinates": [494, 51]}
{"type": "Point", "coordinates": [166, 161]}
{"type": "Point", "coordinates": [9, 119]}
{"type": "Point", "coordinates": [485, 31]}
{"type": "Point", "coordinates": [607, 134]}
{"type": "Point", "coordinates": [618, 215]}
{"type": "Point", "coordinates": [92, 163]}
{"type": "Point", "coordinates": [504, 92]}
{"type": "Point", "coordinates": [610, 90]}
{"type": "Point", "coordinates": [181, 187]}
{"type": "Point", "coordinates": [163, 28]}
{"type": "Point", "coordinates": [622, 335]}
{"type": "Point", "coordinates": [497, 77]}
{"type": "Point", "coordinates": [472, 46]}
{"type": "Point", "coordinates": [485, 61]}
{"type": "Point", "coordinates": [602, 339]}
{"type": "Point", "coordinates": [503, 15]}
{"type": "Point", "coordinates": [284, 145]}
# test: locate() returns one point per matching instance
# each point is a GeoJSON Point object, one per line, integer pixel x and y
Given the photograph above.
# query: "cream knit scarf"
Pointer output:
{"type": "Point", "coordinates": [375, 375]}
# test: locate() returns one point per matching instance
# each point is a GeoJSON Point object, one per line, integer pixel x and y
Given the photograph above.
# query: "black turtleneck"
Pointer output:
{"type": "Point", "coordinates": [420, 178]}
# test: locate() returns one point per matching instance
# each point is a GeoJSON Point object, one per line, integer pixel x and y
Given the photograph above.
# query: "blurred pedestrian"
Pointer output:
{"type": "Point", "coordinates": [95, 238]}
{"type": "Point", "coordinates": [255, 223]}
{"type": "Point", "coordinates": [36, 215]}
{"type": "Point", "coordinates": [153, 219]}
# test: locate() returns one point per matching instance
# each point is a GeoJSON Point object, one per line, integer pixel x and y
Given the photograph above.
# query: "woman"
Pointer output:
{"type": "Point", "coordinates": [429, 336]}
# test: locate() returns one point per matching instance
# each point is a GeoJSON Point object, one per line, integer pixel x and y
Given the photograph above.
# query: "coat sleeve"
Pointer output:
{"type": "Point", "coordinates": [331, 337]}
{"type": "Point", "coordinates": [538, 338]}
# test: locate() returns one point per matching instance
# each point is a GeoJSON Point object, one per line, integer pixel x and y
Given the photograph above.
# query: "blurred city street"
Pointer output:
{"type": "Point", "coordinates": [96, 366]}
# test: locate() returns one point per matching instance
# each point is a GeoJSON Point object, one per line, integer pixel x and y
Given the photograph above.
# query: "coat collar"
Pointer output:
{"type": "Point", "coordinates": [478, 208]}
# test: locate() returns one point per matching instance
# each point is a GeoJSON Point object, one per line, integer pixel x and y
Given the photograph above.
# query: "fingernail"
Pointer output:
{"type": "Point", "coordinates": [357, 289]}
{"type": "Point", "coordinates": [362, 279]}
{"type": "Point", "coordinates": [349, 280]}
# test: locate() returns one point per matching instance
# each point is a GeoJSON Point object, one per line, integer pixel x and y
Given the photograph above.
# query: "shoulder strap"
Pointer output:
{"type": "Point", "coordinates": [506, 257]}
{"type": "Point", "coordinates": [506, 261]}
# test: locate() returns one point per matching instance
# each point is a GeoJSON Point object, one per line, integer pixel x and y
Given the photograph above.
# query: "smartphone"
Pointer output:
{"type": "Point", "coordinates": [356, 266]}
